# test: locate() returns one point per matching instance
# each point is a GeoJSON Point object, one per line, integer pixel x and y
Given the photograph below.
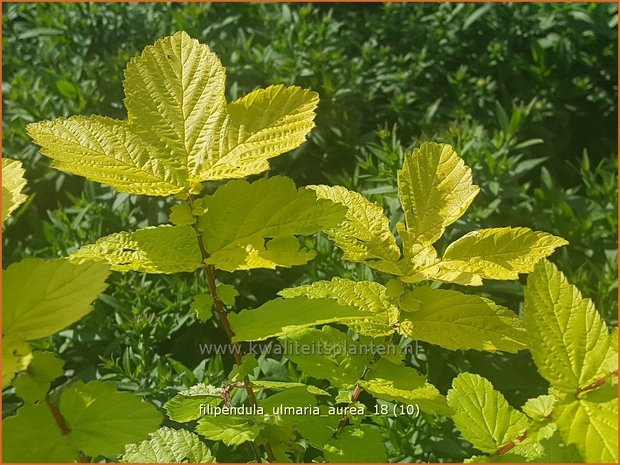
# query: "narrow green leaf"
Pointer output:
{"type": "Point", "coordinates": [282, 316]}
{"type": "Point", "coordinates": [482, 414]}
{"type": "Point", "coordinates": [460, 321]}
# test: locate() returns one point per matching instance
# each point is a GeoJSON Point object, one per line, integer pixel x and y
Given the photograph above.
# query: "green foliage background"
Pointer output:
{"type": "Point", "coordinates": [525, 92]}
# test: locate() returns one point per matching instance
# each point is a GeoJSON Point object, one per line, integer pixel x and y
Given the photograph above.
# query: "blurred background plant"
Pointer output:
{"type": "Point", "coordinates": [525, 92]}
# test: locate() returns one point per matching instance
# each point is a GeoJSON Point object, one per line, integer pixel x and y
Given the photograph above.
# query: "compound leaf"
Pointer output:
{"type": "Point", "coordinates": [435, 188]}
{"type": "Point", "coordinates": [13, 183]}
{"type": "Point", "coordinates": [102, 420]}
{"type": "Point", "coordinates": [482, 414]}
{"type": "Point", "coordinates": [365, 295]}
{"type": "Point", "coordinates": [364, 235]}
{"type": "Point", "coordinates": [561, 323]}
{"type": "Point", "coordinates": [263, 124]}
{"type": "Point", "coordinates": [180, 130]}
{"type": "Point", "coordinates": [155, 249]}
{"type": "Point", "coordinates": [500, 253]}
{"type": "Point", "coordinates": [282, 316]}
{"type": "Point", "coordinates": [41, 297]}
{"type": "Point", "coordinates": [167, 445]}
{"type": "Point", "coordinates": [389, 381]}
{"type": "Point", "coordinates": [460, 321]}
{"type": "Point", "coordinates": [51, 445]}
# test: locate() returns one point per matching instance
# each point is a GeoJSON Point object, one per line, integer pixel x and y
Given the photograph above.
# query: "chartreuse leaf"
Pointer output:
{"type": "Point", "coordinates": [389, 381]}
{"type": "Point", "coordinates": [32, 436]}
{"type": "Point", "coordinates": [181, 215]}
{"type": "Point", "coordinates": [245, 368]}
{"type": "Point", "coordinates": [102, 420]}
{"type": "Point", "coordinates": [283, 316]}
{"type": "Point", "coordinates": [159, 249]}
{"type": "Point", "coordinates": [180, 130]}
{"type": "Point", "coordinates": [363, 444]}
{"type": "Point", "coordinates": [242, 216]}
{"type": "Point", "coordinates": [455, 320]}
{"type": "Point", "coordinates": [203, 306]}
{"type": "Point", "coordinates": [482, 414]}
{"type": "Point", "coordinates": [260, 385]}
{"type": "Point", "coordinates": [591, 423]}
{"type": "Point", "coordinates": [539, 408]}
{"type": "Point", "coordinates": [175, 101]}
{"type": "Point", "coordinates": [16, 356]}
{"type": "Point", "coordinates": [110, 152]}
{"type": "Point", "coordinates": [364, 235]}
{"type": "Point", "coordinates": [435, 188]}
{"type": "Point", "coordinates": [500, 253]}
{"type": "Point", "coordinates": [13, 183]}
{"type": "Point", "coordinates": [568, 339]}
{"type": "Point", "coordinates": [33, 384]}
{"type": "Point", "coordinates": [421, 263]}
{"type": "Point", "coordinates": [167, 445]}
{"type": "Point", "coordinates": [42, 297]}
{"type": "Point", "coordinates": [326, 354]}
{"type": "Point", "coordinates": [227, 294]}
{"type": "Point", "coordinates": [263, 124]}
{"type": "Point", "coordinates": [231, 430]}
{"type": "Point", "coordinates": [365, 295]}
{"type": "Point", "coordinates": [185, 406]}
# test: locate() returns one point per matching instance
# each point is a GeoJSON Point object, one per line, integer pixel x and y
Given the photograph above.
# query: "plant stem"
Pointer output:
{"type": "Point", "coordinates": [357, 391]}
{"type": "Point", "coordinates": [595, 384]}
{"type": "Point", "coordinates": [209, 272]}
{"type": "Point", "coordinates": [64, 428]}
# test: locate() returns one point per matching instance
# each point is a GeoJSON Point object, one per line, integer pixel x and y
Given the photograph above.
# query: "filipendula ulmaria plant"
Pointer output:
{"type": "Point", "coordinates": [180, 133]}
{"type": "Point", "coordinates": [574, 351]}
{"type": "Point", "coordinates": [40, 298]}
{"type": "Point", "coordinates": [435, 189]}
